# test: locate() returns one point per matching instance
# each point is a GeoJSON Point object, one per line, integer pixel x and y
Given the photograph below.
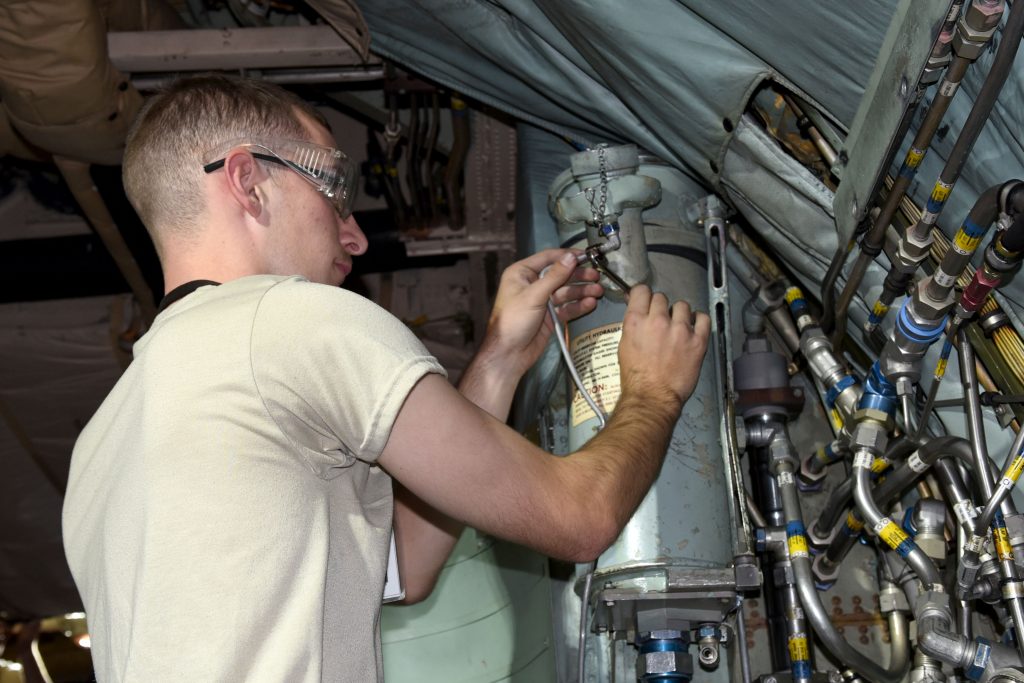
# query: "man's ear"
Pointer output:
{"type": "Point", "coordinates": [244, 175]}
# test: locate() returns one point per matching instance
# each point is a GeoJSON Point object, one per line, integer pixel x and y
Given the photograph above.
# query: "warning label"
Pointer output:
{"type": "Point", "coordinates": [596, 357]}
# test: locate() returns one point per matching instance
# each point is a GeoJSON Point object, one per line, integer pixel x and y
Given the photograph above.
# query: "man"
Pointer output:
{"type": "Point", "coordinates": [230, 503]}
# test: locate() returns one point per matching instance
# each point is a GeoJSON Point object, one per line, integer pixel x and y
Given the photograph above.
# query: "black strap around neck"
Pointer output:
{"type": "Point", "coordinates": [182, 291]}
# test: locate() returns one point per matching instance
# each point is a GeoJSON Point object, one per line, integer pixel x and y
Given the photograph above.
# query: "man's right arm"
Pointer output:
{"type": "Point", "coordinates": [472, 467]}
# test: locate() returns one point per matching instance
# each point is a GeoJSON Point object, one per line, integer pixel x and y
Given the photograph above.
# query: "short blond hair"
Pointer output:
{"type": "Point", "coordinates": [178, 127]}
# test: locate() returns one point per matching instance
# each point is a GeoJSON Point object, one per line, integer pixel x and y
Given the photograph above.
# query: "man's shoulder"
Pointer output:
{"type": "Point", "coordinates": [296, 296]}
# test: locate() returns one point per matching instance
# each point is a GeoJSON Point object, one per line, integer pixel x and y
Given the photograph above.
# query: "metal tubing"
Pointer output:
{"type": "Point", "coordinates": [741, 632]}
{"type": "Point", "coordinates": [915, 557]}
{"type": "Point", "coordinates": [796, 630]}
{"type": "Point", "coordinates": [1012, 466]}
{"type": "Point", "coordinates": [899, 641]}
{"type": "Point", "coordinates": [755, 514]}
{"type": "Point", "coordinates": [969, 376]}
{"type": "Point", "coordinates": [955, 492]}
{"type": "Point", "coordinates": [813, 608]}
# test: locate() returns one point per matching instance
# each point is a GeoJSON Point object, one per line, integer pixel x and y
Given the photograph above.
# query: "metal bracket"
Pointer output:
{"type": "Point", "coordinates": [875, 134]}
{"type": "Point", "coordinates": [710, 213]}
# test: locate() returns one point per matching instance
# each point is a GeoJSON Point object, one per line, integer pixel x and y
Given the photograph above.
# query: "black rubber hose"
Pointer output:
{"type": "Point", "coordinates": [1013, 238]}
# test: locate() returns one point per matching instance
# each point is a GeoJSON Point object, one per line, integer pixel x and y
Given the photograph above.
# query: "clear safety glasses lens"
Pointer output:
{"type": "Point", "coordinates": [330, 170]}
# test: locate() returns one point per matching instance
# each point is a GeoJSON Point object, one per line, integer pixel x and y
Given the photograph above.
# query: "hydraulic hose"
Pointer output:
{"type": "Point", "coordinates": [813, 609]}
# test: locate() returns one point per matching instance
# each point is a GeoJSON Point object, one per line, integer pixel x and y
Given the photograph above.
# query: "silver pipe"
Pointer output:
{"type": "Point", "coordinates": [979, 450]}
{"type": "Point", "coordinates": [811, 601]}
{"type": "Point", "coordinates": [741, 635]}
{"type": "Point", "coordinates": [897, 540]}
{"type": "Point", "coordinates": [1000, 494]}
{"type": "Point", "coordinates": [755, 515]}
{"type": "Point", "coordinates": [584, 609]}
{"type": "Point", "coordinates": [796, 625]}
{"type": "Point", "coordinates": [907, 403]}
{"type": "Point", "coordinates": [899, 641]}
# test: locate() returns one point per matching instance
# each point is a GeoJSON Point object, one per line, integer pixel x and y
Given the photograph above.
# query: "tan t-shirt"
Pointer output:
{"type": "Point", "coordinates": [224, 519]}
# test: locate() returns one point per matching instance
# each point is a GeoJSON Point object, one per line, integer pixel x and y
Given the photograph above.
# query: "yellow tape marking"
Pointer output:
{"type": "Point", "coordinates": [892, 535]}
{"type": "Point", "coordinates": [941, 191]}
{"type": "Point", "coordinates": [798, 546]}
{"type": "Point", "coordinates": [965, 242]}
{"type": "Point", "coordinates": [798, 650]}
{"type": "Point", "coordinates": [1016, 468]}
{"type": "Point", "coordinates": [1002, 542]}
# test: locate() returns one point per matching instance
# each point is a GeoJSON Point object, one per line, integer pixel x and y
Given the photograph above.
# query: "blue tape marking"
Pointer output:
{"type": "Point", "coordinates": [998, 521]}
{"type": "Point", "coordinates": [947, 348]}
{"type": "Point", "coordinates": [905, 548]}
{"type": "Point", "coordinates": [972, 229]}
{"type": "Point", "coordinates": [933, 206]}
{"type": "Point", "coordinates": [795, 529]}
{"type": "Point", "coordinates": [842, 385]}
{"type": "Point", "coordinates": [907, 171]}
{"type": "Point", "coordinates": [801, 669]}
{"type": "Point", "coordinates": [981, 657]}
{"type": "Point", "coordinates": [798, 306]}
{"type": "Point", "coordinates": [921, 335]}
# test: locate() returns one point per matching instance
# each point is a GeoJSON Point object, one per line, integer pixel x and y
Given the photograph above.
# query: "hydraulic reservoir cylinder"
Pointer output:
{"type": "Point", "coordinates": [670, 569]}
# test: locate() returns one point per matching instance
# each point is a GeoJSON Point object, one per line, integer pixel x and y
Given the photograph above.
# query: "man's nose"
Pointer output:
{"type": "Point", "coordinates": [351, 237]}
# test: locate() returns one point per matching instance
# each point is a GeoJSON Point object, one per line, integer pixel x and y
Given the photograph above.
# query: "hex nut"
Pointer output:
{"type": "Point", "coordinates": [868, 435]}
{"type": "Point", "coordinates": [663, 663]}
{"type": "Point", "coordinates": [822, 575]}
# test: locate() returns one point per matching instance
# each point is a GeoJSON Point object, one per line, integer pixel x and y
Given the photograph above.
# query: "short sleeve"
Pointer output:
{"type": "Point", "coordinates": [333, 370]}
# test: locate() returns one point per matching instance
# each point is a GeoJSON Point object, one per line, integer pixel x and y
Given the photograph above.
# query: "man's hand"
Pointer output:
{"type": "Point", "coordinates": [662, 348]}
{"type": "Point", "coordinates": [519, 325]}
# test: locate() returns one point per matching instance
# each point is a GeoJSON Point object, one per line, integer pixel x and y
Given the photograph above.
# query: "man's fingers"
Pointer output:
{"type": "Point", "coordinates": [639, 300]}
{"type": "Point", "coordinates": [681, 313]}
{"type": "Point", "coordinates": [659, 304]}
{"type": "Point", "coordinates": [542, 259]}
{"type": "Point", "coordinates": [575, 309]}
{"type": "Point", "coordinates": [702, 325]}
{"type": "Point", "coordinates": [571, 293]}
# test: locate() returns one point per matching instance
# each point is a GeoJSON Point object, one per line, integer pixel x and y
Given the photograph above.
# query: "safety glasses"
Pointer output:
{"type": "Point", "coordinates": [329, 170]}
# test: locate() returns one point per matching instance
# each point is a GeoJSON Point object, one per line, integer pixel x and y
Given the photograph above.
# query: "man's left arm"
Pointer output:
{"type": "Point", "coordinates": [517, 332]}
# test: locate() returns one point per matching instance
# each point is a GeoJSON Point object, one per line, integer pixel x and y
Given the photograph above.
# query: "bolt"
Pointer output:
{"type": "Point", "coordinates": [904, 87]}
{"type": "Point", "coordinates": [770, 679]}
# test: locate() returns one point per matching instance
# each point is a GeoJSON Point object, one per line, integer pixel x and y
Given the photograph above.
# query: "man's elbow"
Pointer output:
{"type": "Point", "coordinates": [586, 542]}
{"type": "Point", "coordinates": [416, 594]}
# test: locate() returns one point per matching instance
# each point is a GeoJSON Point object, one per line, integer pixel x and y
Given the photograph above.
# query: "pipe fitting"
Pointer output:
{"type": "Point", "coordinates": [976, 27]}
{"type": "Point", "coordinates": [929, 519]}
